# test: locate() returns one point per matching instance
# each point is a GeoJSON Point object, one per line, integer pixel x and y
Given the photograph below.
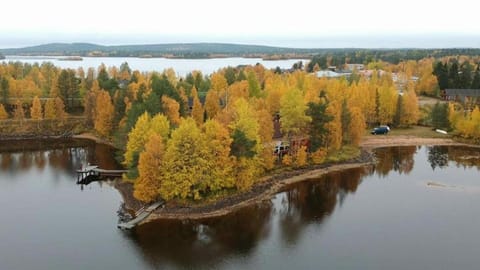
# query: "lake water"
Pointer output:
{"type": "Point", "coordinates": [417, 209]}
{"type": "Point", "coordinates": [181, 66]}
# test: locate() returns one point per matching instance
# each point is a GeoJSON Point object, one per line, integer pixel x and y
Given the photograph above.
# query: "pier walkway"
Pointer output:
{"type": "Point", "coordinates": [95, 170]}
{"type": "Point", "coordinates": [140, 215]}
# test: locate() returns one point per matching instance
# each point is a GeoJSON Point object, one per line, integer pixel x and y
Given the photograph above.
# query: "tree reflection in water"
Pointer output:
{"type": "Point", "coordinates": [398, 159]}
{"type": "Point", "coordinates": [313, 201]}
{"type": "Point", "coordinates": [62, 155]}
{"type": "Point", "coordinates": [203, 243]}
{"type": "Point", "coordinates": [438, 156]}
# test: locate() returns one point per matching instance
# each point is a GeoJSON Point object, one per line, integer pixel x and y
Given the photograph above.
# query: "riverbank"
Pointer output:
{"type": "Point", "coordinates": [264, 190]}
{"type": "Point", "coordinates": [271, 185]}
{"type": "Point", "coordinates": [92, 137]}
{"type": "Point", "coordinates": [371, 142]}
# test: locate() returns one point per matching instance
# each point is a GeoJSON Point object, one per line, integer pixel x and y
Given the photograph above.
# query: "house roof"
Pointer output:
{"type": "Point", "coordinates": [330, 74]}
{"type": "Point", "coordinates": [463, 92]}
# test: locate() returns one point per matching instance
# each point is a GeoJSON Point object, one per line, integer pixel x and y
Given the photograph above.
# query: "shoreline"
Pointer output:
{"type": "Point", "coordinates": [92, 137]}
{"type": "Point", "coordinates": [273, 184]}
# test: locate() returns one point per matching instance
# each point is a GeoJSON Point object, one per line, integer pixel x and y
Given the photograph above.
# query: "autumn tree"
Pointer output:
{"type": "Point", "coordinates": [246, 145]}
{"type": "Point", "coordinates": [19, 113]}
{"type": "Point", "coordinates": [197, 108]}
{"type": "Point", "coordinates": [147, 186]}
{"type": "Point", "coordinates": [104, 113]}
{"type": "Point", "coordinates": [301, 157]}
{"type": "Point", "coordinates": [50, 112]}
{"type": "Point", "coordinates": [212, 105]}
{"type": "Point", "coordinates": [218, 83]}
{"type": "Point", "coordinates": [186, 163]}
{"type": "Point", "coordinates": [357, 126]}
{"type": "Point", "coordinates": [89, 103]}
{"type": "Point", "coordinates": [388, 96]}
{"type": "Point", "coordinates": [410, 110]}
{"type": "Point", "coordinates": [293, 113]}
{"type": "Point", "coordinates": [172, 109]}
{"type": "Point", "coordinates": [36, 111]}
{"type": "Point", "coordinates": [3, 113]}
{"type": "Point", "coordinates": [138, 136]}
{"type": "Point", "coordinates": [220, 163]}
{"type": "Point", "coordinates": [334, 138]}
{"type": "Point", "coordinates": [59, 109]}
{"type": "Point", "coordinates": [136, 141]}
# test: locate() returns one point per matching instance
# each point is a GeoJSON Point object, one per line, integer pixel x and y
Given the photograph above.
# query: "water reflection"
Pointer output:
{"type": "Point", "coordinates": [63, 155]}
{"type": "Point", "coordinates": [203, 243]}
{"type": "Point", "coordinates": [398, 159]}
{"type": "Point", "coordinates": [288, 218]}
{"type": "Point", "coordinates": [314, 201]}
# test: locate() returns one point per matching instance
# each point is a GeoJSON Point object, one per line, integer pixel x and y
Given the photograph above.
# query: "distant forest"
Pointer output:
{"type": "Point", "coordinates": [320, 56]}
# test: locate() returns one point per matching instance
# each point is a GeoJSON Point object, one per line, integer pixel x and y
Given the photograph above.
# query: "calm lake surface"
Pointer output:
{"type": "Point", "coordinates": [181, 66]}
{"type": "Point", "coordinates": [417, 209]}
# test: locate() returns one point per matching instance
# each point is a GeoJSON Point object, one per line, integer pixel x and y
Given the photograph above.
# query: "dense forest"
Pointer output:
{"type": "Point", "coordinates": [202, 135]}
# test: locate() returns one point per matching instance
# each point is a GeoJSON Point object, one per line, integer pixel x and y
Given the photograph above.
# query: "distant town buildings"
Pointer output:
{"type": "Point", "coordinates": [465, 96]}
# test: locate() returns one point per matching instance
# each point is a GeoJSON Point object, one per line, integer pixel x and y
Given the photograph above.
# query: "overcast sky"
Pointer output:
{"type": "Point", "coordinates": [298, 23]}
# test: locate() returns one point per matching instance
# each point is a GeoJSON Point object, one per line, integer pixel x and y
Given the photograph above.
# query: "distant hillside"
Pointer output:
{"type": "Point", "coordinates": [323, 56]}
{"type": "Point", "coordinates": [180, 50]}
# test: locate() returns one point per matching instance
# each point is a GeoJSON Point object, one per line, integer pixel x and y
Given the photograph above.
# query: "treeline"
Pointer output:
{"type": "Point", "coordinates": [339, 57]}
{"type": "Point", "coordinates": [453, 74]}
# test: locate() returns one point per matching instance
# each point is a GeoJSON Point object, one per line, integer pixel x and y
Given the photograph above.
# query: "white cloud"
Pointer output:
{"type": "Point", "coordinates": [246, 19]}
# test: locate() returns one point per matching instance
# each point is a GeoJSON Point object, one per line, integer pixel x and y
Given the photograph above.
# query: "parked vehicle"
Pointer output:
{"type": "Point", "coordinates": [380, 130]}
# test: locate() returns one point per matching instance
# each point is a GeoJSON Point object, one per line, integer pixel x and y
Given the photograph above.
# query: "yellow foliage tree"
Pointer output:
{"type": "Point", "coordinates": [197, 108]}
{"type": "Point", "coordinates": [220, 163]}
{"type": "Point", "coordinates": [50, 112]}
{"type": "Point", "coordinates": [172, 109]}
{"type": "Point", "coordinates": [159, 124]}
{"type": "Point", "coordinates": [293, 113]}
{"type": "Point", "coordinates": [318, 156]}
{"type": "Point", "coordinates": [19, 113]}
{"type": "Point", "coordinates": [218, 83]}
{"type": "Point", "coordinates": [334, 138]}
{"type": "Point", "coordinates": [247, 170]}
{"type": "Point", "coordinates": [411, 112]}
{"type": "Point", "coordinates": [60, 109]}
{"type": "Point", "coordinates": [36, 111]}
{"type": "Point", "coordinates": [287, 160]}
{"type": "Point", "coordinates": [357, 125]}
{"type": "Point", "coordinates": [212, 105]}
{"type": "Point", "coordinates": [89, 103]}
{"type": "Point", "coordinates": [147, 185]}
{"type": "Point", "coordinates": [186, 162]}
{"type": "Point", "coordinates": [104, 114]}
{"type": "Point", "coordinates": [301, 157]}
{"type": "Point", "coordinates": [136, 140]}
{"type": "Point", "coordinates": [388, 97]}
{"type": "Point", "coordinates": [3, 113]}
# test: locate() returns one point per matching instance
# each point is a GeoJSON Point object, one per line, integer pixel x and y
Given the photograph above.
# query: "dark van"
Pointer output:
{"type": "Point", "coordinates": [380, 130]}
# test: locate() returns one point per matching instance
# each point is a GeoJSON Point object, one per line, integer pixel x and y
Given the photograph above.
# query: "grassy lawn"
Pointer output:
{"type": "Point", "coordinates": [417, 131]}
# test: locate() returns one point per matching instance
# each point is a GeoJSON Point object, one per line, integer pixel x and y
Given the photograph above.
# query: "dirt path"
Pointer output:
{"type": "Point", "coordinates": [90, 136]}
{"type": "Point", "coordinates": [371, 142]}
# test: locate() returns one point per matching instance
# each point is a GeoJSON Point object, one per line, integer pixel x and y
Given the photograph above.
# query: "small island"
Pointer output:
{"type": "Point", "coordinates": [71, 58]}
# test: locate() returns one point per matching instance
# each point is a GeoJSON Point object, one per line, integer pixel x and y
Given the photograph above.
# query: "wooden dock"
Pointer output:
{"type": "Point", "coordinates": [140, 215]}
{"type": "Point", "coordinates": [96, 171]}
